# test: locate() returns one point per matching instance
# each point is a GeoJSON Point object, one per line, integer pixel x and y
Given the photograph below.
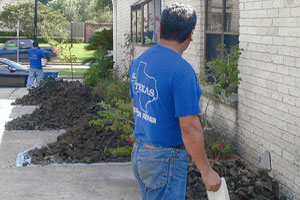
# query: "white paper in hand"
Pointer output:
{"type": "Point", "coordinates": [221, 194]}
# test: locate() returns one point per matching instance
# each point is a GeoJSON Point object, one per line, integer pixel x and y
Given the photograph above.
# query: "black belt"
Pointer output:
{"type": "Point", "coordinates": [177, 146]}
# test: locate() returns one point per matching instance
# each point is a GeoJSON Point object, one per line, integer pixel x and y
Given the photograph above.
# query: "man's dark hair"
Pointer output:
{"type": "Point", "coordinates": [35, 44]}
{"type": "Point", "coordinates": [177, 22]}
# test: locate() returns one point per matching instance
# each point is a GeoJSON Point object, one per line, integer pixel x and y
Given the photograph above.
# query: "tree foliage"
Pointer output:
{"type": "Point", "coordinates": [45, 2]}
{"type": "Point", "coordinates": [84, 10]}
{"type": "Point", "coordinates": [103, 3]}
{"type": "Point", "coordinates": [101, 67]}
{"type": "Point", "coordinates": [50, 22]}
{"type": "Point", "coordinates": [78, 10]}
{"type": "Point", "coordinates": [103, 38]}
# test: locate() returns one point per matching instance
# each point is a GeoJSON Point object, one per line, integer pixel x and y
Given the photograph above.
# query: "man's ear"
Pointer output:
{"type": "Point", "coordinates": [191, 35]}
{"type": "Point", "coordinates": [159, 29]}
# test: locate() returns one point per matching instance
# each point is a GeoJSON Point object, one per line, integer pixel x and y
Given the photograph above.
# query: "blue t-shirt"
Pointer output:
{"type": "Point", "coordinates": [35, 55]}
{"type": "Point", "coordinates": [164, 87]}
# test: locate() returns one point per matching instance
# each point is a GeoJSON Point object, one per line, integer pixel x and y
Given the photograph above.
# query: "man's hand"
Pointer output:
{"type": "Point", "coordinates": [211, 180]}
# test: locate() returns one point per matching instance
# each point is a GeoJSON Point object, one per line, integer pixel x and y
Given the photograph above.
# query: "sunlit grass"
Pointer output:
{"type": "Point", "coordinates": [68, 72]}
{"type": "Point", "coordinates": [78, 50]}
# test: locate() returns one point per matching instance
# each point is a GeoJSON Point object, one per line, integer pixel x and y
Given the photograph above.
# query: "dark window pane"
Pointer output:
{"type": "Point", "coordinates": [212, 42]}
{"type": "Point", "coordinates": [214, 15]}
{"type": "Point", "coordinates": [212, 51]}
{"type": "Point", "coordinates": [230, 41]}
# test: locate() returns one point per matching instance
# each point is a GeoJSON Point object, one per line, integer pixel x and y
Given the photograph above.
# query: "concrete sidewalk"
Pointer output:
{"type": "Point", "coordinates": [69, 182]}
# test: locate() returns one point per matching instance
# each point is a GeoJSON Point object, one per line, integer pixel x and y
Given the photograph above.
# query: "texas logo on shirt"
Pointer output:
{"type": "Point", "coordinates": [144, 86]}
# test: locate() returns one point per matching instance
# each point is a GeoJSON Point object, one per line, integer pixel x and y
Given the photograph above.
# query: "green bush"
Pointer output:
{"type": "Point", "coordinates": [100, 40]}
{"type": "Point", "coordinates": [116, 117]}
{"type": "Point", "coordinates": [121, 151]}
{"type": "Point", "coordinates": [4, 39]}
{"type": "Point", "coordinates": [223, 70]}
{"type": "Point", "coordinates": [100, 68]}
{"type": "Point", "coordinates": [9, 33]}
{"type": "Point", "coordinates": [103, 38]}
{"type": "Point", "coordinates": [109, 90]}
{"type": "Point", "coordinates": [117, 110]}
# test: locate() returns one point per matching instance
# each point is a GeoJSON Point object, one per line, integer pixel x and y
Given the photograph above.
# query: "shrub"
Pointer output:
{"type": "Point", "coordinates": [222, 72]}
{"type": "Point", "coordinates": [100, 68]}
{"type": "Point", "coordinates": [222, 75]}
{"type": "Point", "coordinates": [121, 151]}
{"type": "Point", "coordinates": [117, 112]}
{"type": "Point", "coordinates": [219, 149]}
{"type": "Point", "coordinates": [102, 38]}
{"type": "Point", "coordinates": [117, 117]}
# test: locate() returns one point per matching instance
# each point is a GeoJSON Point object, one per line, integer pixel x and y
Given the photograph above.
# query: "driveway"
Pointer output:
{"type": "Point", "coordinates": [98, 181]}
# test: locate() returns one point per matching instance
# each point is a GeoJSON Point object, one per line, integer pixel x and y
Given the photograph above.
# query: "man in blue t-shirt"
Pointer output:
{"type": "Point", "coordinates": [165, 97]}
{"type": "Point", "coordinates": [36, 69]}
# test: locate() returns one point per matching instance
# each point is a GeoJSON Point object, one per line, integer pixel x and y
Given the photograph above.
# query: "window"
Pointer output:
{"type": "Point", "coordinates": [25, 44]}
{"type": "Point", "coordinates": [145, 19]}
{"type": "Point", "coordinates": [222, 28]}
{"type": "Point", "coordinates": [222, 25]}
{"type": "Point", "coordinates": [11, 46]}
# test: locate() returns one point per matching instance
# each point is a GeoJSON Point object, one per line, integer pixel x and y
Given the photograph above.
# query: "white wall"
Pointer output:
{"type": "Point", "coordinates": [269, 96]}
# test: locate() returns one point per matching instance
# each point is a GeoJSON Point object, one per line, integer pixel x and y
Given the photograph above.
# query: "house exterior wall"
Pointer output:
{"type": "Point", "coordinates": [194, 54]}
{"type": "Point", "coordinates": [269, 95]}
{"type": "Point", "coordinates": [267, 116]}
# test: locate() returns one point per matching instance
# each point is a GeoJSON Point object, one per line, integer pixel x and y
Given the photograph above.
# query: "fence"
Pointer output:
{"type": "Point", "coordinates": [86, 30]}
{"type": "Point", "coordinates": [90, 29]}
{"type": "Point", "coordinates": [81, 31]}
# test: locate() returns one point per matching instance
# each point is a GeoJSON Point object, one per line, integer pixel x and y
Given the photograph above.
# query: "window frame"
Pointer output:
{"type": "Point", "coordinates": [223, 31]}
{"type": "Point", "coordinates": [139, 6]}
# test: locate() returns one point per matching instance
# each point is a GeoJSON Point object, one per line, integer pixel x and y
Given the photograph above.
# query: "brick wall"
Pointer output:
{"type": "Point", "coordinates": [269, 96]}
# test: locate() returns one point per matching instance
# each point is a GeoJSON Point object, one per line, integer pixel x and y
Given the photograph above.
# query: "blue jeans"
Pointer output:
{"type": "Point", "coordinates": [34, 74]}
{"type": "Point", "coordinates": [160, 172]}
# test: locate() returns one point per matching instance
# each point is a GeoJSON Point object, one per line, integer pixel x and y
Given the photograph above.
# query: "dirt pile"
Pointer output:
{"type": "Point", "coordinates": [242, 183]}
{"type": "Point", "coordinates": [67, 105]}
{"type": "Point", "coordinates": [81, 144]}
{"type": "Point", "coordinates": [61, 106]}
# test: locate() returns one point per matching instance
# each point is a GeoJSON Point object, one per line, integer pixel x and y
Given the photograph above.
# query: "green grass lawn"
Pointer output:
{"type": "Point", "coordinates": [79, 51]}
{"type": "Point", "coordinates": [68, 72]}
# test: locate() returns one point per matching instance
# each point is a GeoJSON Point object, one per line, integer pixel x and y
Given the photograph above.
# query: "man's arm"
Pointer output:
{"type": "Point", "coordinates": [193, 139]}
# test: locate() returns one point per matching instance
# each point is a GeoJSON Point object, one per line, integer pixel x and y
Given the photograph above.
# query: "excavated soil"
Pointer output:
{"type": "Point", "coordinates": [242, 183]}
{"type": "Point", "coordinates": [71, 105]}
{"type": "Point", "coordinates": [61, 106]}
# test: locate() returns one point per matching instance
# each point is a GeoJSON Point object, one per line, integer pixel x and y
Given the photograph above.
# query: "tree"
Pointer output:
{"type": "Point", "coordinates": [45, 2]}
{"type": "Point", "coordinates": [103, 3]}
{"type": "Point", "coordinates": [78, 10]}
{"type": "Point", "coordinates": [84, 10]}
{"type": "Point", "coordinates": [50, 22]}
